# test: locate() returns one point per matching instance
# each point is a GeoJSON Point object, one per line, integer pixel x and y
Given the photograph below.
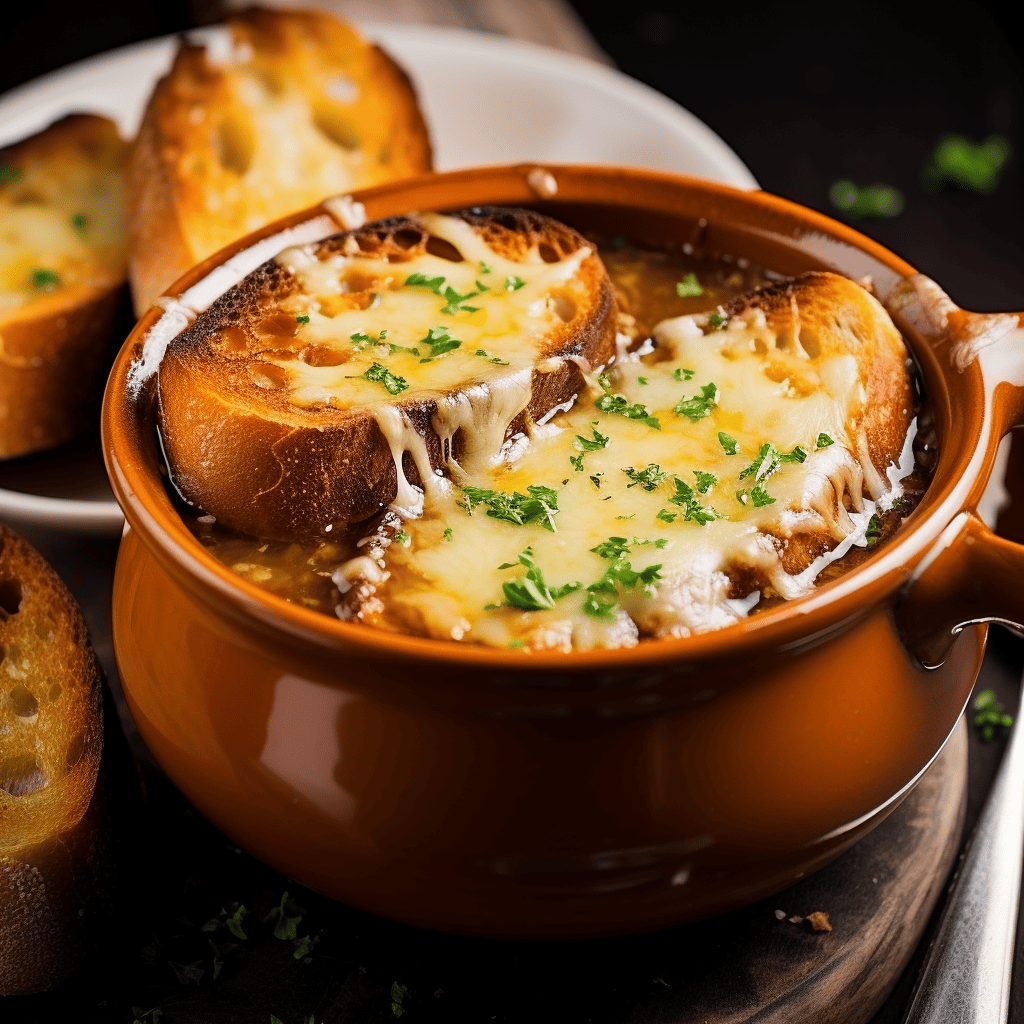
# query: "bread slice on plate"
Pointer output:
{"type": "Point", "coordinates": [51, 736]}
{"type": "Point", "coordinates": [301, 107]}
{"type": "Point", "coordinates": [353, 373]}
{"type": "Point", "coordinates": [63, 267]}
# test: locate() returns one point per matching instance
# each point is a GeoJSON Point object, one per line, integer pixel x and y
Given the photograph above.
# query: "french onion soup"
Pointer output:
{"type": "Point", "coordinates": [486, 427]}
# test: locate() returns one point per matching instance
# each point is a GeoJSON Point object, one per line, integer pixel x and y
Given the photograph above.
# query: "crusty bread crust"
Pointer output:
{"type": "Point", "coordinates": [56, 341]}
{"type": "Point", "coordinates": [306, 108]}
{"type": "Point", "coordinates": [266, 466]}
{"type": "Point", "coordinates": [51, 735]}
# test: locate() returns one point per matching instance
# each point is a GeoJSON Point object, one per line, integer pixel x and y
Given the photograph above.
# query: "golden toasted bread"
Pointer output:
{"type": "Point", "coordinates": [51, 735]}
{"type": "Point", "coordinates": [340, 375]}
{"type": "Point", "coordinates": [62, 273]}
{"type": "Point", "coordinates": [698, 480]}
{"type": "Point", "coordinates": [302, 108]}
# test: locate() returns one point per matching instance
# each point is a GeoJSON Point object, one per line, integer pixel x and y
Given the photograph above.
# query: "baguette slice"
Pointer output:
{"type": "Point", "coordinates": [284, 414]}
{"type": "Point", "coordinates": [303, 108]}
{"type": "Point", "coordinates": [63, 267]}
{"type": "Point", "coordinates": [51, 735]}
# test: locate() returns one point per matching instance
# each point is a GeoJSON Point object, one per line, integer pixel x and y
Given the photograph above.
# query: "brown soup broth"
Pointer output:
{"type": "Point", "coordinates": [645, 282]}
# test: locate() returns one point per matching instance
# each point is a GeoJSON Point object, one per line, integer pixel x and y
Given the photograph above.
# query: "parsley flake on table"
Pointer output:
{"type": "Point", "coordinates": [532, 592]}
{"type": "Point", "coordinates": [618, 405]}
{"type": "Point", "coordinates": [699, 406]}
{"type": "Point", "coordinates": [378, 374]}
{"type": "Point", "coordinates": [989, 715]}
{"type": "Point", "coordinates": [689, 287]}
{"type": "Point", "coordinates": [539, 505]}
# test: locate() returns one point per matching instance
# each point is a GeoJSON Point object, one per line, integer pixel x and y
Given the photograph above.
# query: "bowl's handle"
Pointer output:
{"type": "Point", "coordinates": [972, 575]}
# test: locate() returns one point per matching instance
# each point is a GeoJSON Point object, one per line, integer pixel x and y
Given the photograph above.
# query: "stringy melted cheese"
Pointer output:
{"type": "Point", "coordinates": [446, 576]}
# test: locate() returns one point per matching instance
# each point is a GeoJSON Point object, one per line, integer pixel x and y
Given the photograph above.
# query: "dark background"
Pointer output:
{"type": "Point", "coordinates": [805, 93]}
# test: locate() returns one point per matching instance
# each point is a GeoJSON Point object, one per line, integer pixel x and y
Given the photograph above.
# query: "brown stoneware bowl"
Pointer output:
{"type": "Point", "coordinates": [549, 795]}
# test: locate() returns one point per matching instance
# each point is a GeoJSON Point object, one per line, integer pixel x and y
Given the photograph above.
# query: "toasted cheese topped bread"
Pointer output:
{"type": "Point", "coordinates": [357, 372]}
{"type": "Point", "coordinates": [51, 736]}
{"type": "Point", "coordinates": [731, 463]}
{"type": "Point", "coordinates": [302, 107]}
{"type": "Point", "coordinates": [63, 265]}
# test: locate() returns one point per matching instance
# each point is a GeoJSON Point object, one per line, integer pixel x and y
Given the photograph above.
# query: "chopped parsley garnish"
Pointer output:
{"type": "Point", "coordinates": [516, 644]}
{"type": "Point", "coordinates": [760, 497]}
{"type": "Point", "coordinates": [613, 547]}
{"type": "Point", "coordinates": [484, 268]}
{"type": "Point", "coordinates": [9, 174]}
{"type": "Point", "coordinates": [447, 535]}
{"type": "Point", "coordinates": [619, 405]}
{"type": "Point", "coordinates": [401, 537]}
{"type": "Point", "coordinates": [538, 505]}
{"type": "Point", "coordinates": [659, 543]}
{"type": "Point", "coordinates": [491, 359]}
{"type": "Point", "coordinates": [989, 715]}
{"type": "Point", "coordinates": [361, 339]}
{"type": "Point", "coordinates": [45, 280]}
{"type": "Point", "coordinates": [584, 445]}
{"type": "Point", "coordinates": [514, 283]}
{"type": "Point", "coordinates": [303, 318]}
{"type": "Point", "coordinates": [681, 373]}
{"type": "Point", "coordinates": [433, 283]}
{"type": "Point", "coordinates": [642, 380]}
{"type": "Point", "coordinates": [729, 444]}
{"type": "Point", "coordinates": [80, 222]}
{"type": "Point", "coordinates": [378, 374]}
{"type": "Point", "coordinates": [874, 531]}
{"type": "Point", "coordinates": [768, 460]}
{"type": "Point", "coordinates": [698, 406]}
{"type": "Point", "coordinates": [532, 592]}
{"type": "Point", "coordinates": [705, 481]}
{"type": "Point", "coordinates": [600, 607]}
{"type": "Point", "coordinates": [824, 441]}
{"type": "Point", "coordinates": [716, 319]}
{"type": "Point", "coordinates": [648, 478]}
{"type": "Point", "coordinates": [595, 479]}
{"type": "Point", "coordinates": [693, 510]}
{"type": "Point", "coordinates": [689, 287]}
{"type": "Point", "coordinates": [666, 515]}
{"type": "Point", "coordinates": [456, 302]}
{"type": "Point", "coordinates": [440, 342]}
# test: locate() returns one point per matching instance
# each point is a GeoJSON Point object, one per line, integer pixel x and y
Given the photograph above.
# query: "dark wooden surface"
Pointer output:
{"type": "Point", "coordinates": [805, 93]}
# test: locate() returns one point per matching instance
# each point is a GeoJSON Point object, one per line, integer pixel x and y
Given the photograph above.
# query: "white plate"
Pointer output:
{"type": "Point", "coordinates": [487, 100]}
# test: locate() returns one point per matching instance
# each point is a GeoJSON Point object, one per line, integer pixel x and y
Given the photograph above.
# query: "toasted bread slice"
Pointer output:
{"type": "Point", "coordinates": [62, 273]}
{"type": "Point", "coordinates": [51, 736]}
{"type": "Point", "coordinates": [338, 377]}
{"type": "Point", "coordinates": [303, 108]}
{"type": "Point", "coordinates": [722, 466]}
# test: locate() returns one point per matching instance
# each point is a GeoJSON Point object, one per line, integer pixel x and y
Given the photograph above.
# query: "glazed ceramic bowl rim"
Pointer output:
{"type": "Point", "coordinates": [805, 620]}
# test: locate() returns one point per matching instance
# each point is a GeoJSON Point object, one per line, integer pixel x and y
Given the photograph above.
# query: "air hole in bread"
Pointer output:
{"type": "Point", "coordinates": [23, 702]}
{"type": "Point", "coordinates": [342, 89]}
{"type": "Point", "coordinates": [277, 326]}
{"type": "Point", "coordinates": [336, 126]}
{"type": "Point", "coordinates": [76, 749]}
{"type": "Point", "coordinates": [21, 775]}
{"type": "Point", "coordinates": [268, 376]}
{"type": "Point", "coordinates": [236, 144]}
{"type": "Point", "coordinates": [564, 306]}
{"type": "Point", "coordinates": [322, 355]}
{"type": "Point", "coordinates": [10, 597]}
{"type": "Point", "coordinates": [55, 691]}
{"type": "Point", "coordinates": [547, 253]}
{"type": "Point", "coordinates": [443, 249]}
{"type": "Point", "coordinates": [407, 238]}
{"type": "Point", "coordinates": [810, 344]}
{"type": "Point", "coordinates": [233, 340]}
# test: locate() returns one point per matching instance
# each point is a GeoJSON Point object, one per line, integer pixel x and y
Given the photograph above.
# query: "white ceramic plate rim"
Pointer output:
{"type": "Point", "coordinates": [118, 82]}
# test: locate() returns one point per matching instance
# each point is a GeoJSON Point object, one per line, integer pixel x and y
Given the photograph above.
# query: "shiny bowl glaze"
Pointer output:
{"type": "Point", "coordinates": [550, 795]}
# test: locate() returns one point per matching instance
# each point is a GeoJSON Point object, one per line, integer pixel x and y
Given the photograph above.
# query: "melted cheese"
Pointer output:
{"type": "Point", "coordinates": [447, 580]}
